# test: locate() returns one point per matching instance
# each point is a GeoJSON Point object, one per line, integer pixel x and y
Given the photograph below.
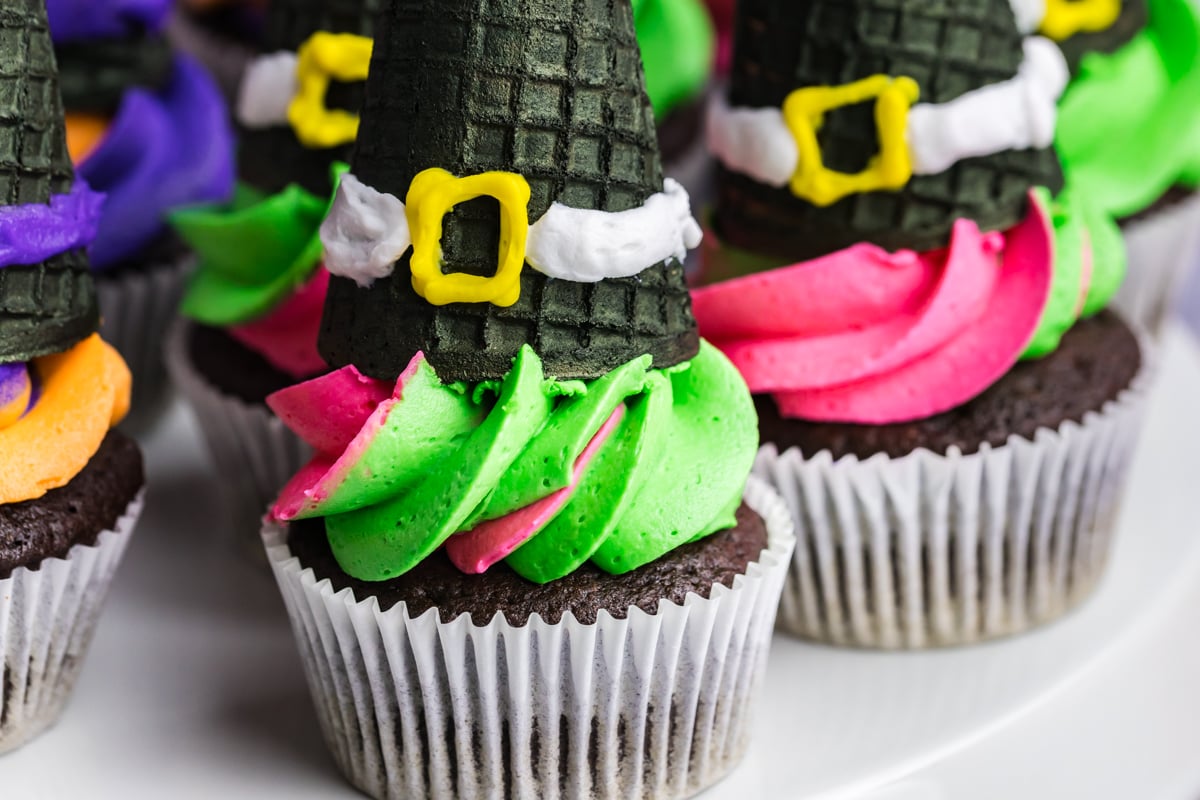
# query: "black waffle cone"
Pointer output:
{"type": "Point", "coordinates": [271, 158]}
{"type": "Point", "coordinates": [1134, 16]}
{"type": "Point", "coordinates": [554, 92]}
{"type": "Point", "coordinates": [949, 48]}
{"type": "Point", "coordinates": [47, 307]}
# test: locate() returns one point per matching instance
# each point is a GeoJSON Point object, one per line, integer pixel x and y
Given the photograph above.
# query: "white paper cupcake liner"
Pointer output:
{"type": "Point", "coordinates": [254, 454]}
{"type": "Point", "coordinates": [137, 307]}
{"type": "Point", "coordinates": [47, 617]}
{"type": "Point", "coordinates": [1163, 249]}
{"type": "Point", "coordinates": [933, 550]}
{"type": "Point", "coordinates": [652, 706]}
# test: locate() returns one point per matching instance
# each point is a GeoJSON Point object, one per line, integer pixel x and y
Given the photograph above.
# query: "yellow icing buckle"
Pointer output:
{"type": "Point", "coordinates": [432, 195]}
{"type": "Point", "coordinates": [804, 111]}
{"type": "Point", "coordinates": [324, 57]}
{"type": "Point", "coordinates": [1065, 18]}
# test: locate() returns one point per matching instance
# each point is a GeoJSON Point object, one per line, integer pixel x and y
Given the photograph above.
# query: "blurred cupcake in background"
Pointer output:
{"type": "Point", "coordinates": [70, 488]}
{"type": "Point", "coordinates": [722, 12]}
{"type": "Point", "coordinates": [146, 127]}
{"type": "Point", "coordinates": [917, 301]}
{"type": "Point", "coordinates": [678, 46]}
{"type": "Point", "coordinates": [530, 481]}
{"type": "Point", "coordinates": [223, 35]}
{"type": "Point", "coordinates": [1129, 133]}
{"type": "Point", "coordinates": [253, 307]}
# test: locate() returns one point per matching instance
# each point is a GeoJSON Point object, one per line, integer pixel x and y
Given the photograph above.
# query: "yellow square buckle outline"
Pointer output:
{"type": "Point", "coordinates": [322, 58]}
{"type": "Point", "coordinates": [1065, 18]}
{"type": "Point", "coordinates": [804, 111]}
{"type": "Point", "coordinates": [431, 196]}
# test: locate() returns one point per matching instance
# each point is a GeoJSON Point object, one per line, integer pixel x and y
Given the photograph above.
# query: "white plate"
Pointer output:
{"type": "Point", "coordinates": [193, 689]}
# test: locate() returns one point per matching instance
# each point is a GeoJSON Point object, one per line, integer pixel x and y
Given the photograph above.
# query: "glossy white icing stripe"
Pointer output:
{"type": "Point", "coordinates": [753, 141]}
{"type": "Point", "coordinates": [267, 90]}
{"type": "Point", "coordinates": [367, 232]}
{"type": "Point", "coordinates": [1013, 115]}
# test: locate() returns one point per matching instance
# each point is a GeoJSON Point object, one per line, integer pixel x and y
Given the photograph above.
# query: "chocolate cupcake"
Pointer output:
{"type": "Point", "coordinates": [945, 404]}
{"type": "Point", "coordinates": [254, 303]}
{"type": "Point", "coordinates": [146, 127]}
{"type": "Point", "coordinates": [527, 524]}
{"type": "Point", "coordinates": [70, 489]}
{"type": "Point", "coordinates": [1129, 136]}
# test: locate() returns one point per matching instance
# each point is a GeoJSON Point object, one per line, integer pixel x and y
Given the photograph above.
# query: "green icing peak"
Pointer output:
{"type": "Point", "coordinates": [678, 44]}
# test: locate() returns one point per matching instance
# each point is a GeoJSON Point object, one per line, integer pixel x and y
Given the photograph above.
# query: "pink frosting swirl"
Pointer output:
{"type": "Point", "coordinates": [871, 337]}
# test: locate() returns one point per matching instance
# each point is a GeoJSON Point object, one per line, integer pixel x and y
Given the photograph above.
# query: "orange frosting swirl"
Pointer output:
{"type": "Point", "coordinates": [84, 392]}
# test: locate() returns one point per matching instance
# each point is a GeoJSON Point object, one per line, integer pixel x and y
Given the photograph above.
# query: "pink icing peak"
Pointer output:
{"type": "Point", "coordinates": [476, 550]}
{"type": "Point", "coordinates": [287, 337]}
{"type": "Point", "coordinates": [339, 414]}
{"type": "Point", "coordinates": [947, 324]}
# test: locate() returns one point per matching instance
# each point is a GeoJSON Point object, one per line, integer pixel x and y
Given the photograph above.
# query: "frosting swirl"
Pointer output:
{"type": "Point", "coordinates": [54, 413]}
{"type": "Point", "coordinates": [872, 337]}
{"type": "Point", "coordinates": [677, 41]}
{"type": "Point", "coordinates": [1129, 124]}
{"type": "Point", "coordinates": [541, 473]}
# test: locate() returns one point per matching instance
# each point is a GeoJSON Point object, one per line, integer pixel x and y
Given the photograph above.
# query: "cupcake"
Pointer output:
{"type": "Point", "coordinates": [147, 128]}
{"type": "Point", "coordinates": [525, 560]}
{"type": "Point", "coordinates": [678, 44]}
{"type": "Point", "coordinates": [254, 304]}
{"type": "Point", "coordinates": [70, 488]}
{"type": "Point", "coordinates": [223, 35]}
{"type": "Point", "coordinates": [722, 15]}
{"type": "Point", "coordinates": [1129, 135]}
{"type": "Point", "coordinates": [944, 402]}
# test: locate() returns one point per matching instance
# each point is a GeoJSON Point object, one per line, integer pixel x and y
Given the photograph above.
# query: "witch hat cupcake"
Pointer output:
{"type": "Point", "coordinates": [920, 311]}
{"type": "Point", "coordinates": [148, 128]}
{"type": "Point", "coordinates": [70, 488]}
{"type": "Point", "coordinates": [943, 53]}
{"type": "Point", "coordinates": [1129, 136]}
{"type": "Point", "coordinates": [575, 126]}
{"type": "Point", "coordinates": [540, 449]}
{"type": "Point", "coordinates": [252, 308]}
{"type": "Point", "coordinates": [49, 300]}
{"type": "Point", "coordinates": [298, 104]}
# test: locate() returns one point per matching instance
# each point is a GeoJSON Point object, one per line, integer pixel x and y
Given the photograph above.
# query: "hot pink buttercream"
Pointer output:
{"type": "Point", "coordinates": [287, 337]}
{"type": "Point", "coordinates": [871, 337]}
{"type": "Point", "coordinates": [476, 550]}
{"type": "Point", "coordinates": [339, 415]}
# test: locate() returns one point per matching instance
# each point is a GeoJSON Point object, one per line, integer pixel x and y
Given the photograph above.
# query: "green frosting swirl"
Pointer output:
{"type": "Point", "coordinates": [253, 253]}
{"type": "Point", "coordinates": [678, 44]}
{"type": "Point", "coordinates": [1129, 124]}
{"type": "Point", "coordinates": [1082, 233]}
{"type": "Point", "coordinates": [448, 457]}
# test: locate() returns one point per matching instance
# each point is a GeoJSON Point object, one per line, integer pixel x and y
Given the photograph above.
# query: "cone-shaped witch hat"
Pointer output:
{"type": "Point", "coordinates": [47, 299]}
{"type": "Point", "coordinates": [553, 94]}
{"type": "Point", "coordinates": [1076, 43]}
{"type": "Point", "coordinates": [271, 157]}
{"type": "Point", "coordinates": [947, 48]}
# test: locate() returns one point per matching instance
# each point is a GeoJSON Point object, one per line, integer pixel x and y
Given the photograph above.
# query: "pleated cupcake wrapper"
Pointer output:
{"type": "Point", "coordinates": [47, 617]}
{"type": "Point", "coordinates": [932, 550]}
{"type": "Point", "coordinates": [137, 307]}
{"type": "Point", "coordinates": [253, 453]}
{"type": "Point", "coordinates": [651, 706]}
{"type": "Point", "coordinates": [1162, 249]}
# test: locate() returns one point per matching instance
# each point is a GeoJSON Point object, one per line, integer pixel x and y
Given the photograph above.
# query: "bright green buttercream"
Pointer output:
{"type": "Point", "coordinates": [678, 43]}
{"type": "Point", "coordinates": [1129, 124]}
{"type": "Point", "coordinates": [253, 253]}
{"type": "Point", "coordinates": [672, 471]}
{"type": "Point", "coordinates": [1082, 234]}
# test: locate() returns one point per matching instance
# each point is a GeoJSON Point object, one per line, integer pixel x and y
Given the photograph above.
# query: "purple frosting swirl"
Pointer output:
{"type": "Point", "coordinates": [34, 232]}
{"type": "Point", "coordinates": [80, 20]}
{"type": "Point", "coordinates": [166, 148]}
